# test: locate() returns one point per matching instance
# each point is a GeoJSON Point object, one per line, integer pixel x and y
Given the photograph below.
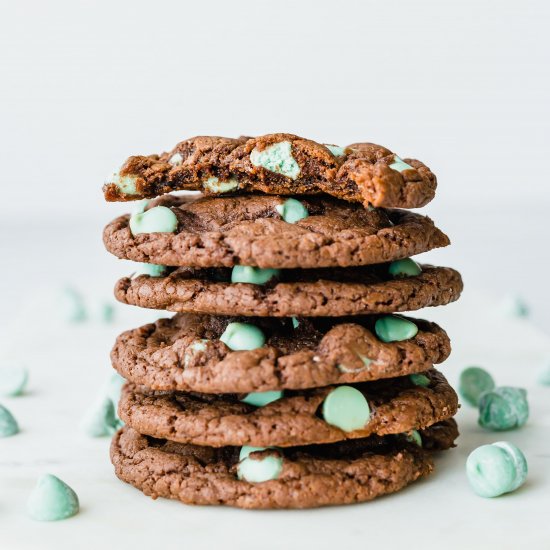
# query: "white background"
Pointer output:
{"type": "Point", "coordinates": [462, 85]}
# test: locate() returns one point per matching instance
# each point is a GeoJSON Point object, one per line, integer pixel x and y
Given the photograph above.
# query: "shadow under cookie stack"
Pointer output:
{"type": "Point", "coordinates": [285, 379]}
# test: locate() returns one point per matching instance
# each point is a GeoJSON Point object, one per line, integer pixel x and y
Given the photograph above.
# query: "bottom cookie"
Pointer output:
{"type": "Point", "coordinates": [301, 477]}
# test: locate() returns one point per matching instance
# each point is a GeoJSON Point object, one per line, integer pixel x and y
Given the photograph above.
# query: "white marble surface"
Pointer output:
{"type": "Point", "coordinates": [68, 364]}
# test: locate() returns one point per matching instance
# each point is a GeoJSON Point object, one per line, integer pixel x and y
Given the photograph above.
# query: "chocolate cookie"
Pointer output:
{"type": "Point", "coordinates": [314, 292]}
{"type": "Point", "coordinates": [298, 417]}
{"type": "Point", "coordinates": [280, 164]}
{"type": "Point", "coordinates": [184, 353]}
{"type": "Point", "coordinates": [251, 231]}
{"type": "Point", "coordinates": [307, 477]}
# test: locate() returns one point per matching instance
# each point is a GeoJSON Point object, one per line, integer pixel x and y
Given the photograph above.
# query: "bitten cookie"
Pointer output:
{"type": "Point", "coordinates": [295, 417]}
{"type": "Point", "coordinates": [268, 232]}
{"type": "Point", "coordinates": [289, 293]}
{"type": "Point", "coordinates": [185, 353]}
{"type": "Point", "coordinates": [308, 477]}
{"type": "Point", "coordinates": [281, 164]}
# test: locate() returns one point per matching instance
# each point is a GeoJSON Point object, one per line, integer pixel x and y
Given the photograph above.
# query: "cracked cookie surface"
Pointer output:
{"type": "Point", "coordinates": [315, 292]}
{"type": "Point", "coordinates": [396, 405]}
{"type": "Point", "coordinates": [318, 352]}
{"type": "Point", "coordinates": [341, 473]}
{"type": "Point", "coordinates": [249, 231]}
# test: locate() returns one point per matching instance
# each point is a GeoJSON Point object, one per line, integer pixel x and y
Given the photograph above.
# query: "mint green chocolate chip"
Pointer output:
{"type": "Point", "coordinates": [292, 211]}
{"type": "Point", "coordinates": [503, 408]}
{"type": "Point", "coordinates": [348, 370]}
{"type": "Point", "coordinates": [112, 390]}
{"type": "Point", "coordinates": [176, 159]}
{"type": "Point", "coordinates": [260, 399]}
{"type": "Point", "coordinates": [101, 419]}
{"type": "Point", "coordinates": [414, 437]}
{"type": "Point", "coordinates": [13, 380]}
{"type": "Point", "coordinates": [399, 164]}
{"type": "Point", "coordinates": [71, 306]}
{"type": "Point", "coordinates": [367, 362]}
{"type": "Point", "coordinates": [346, 408]}
{"type": "Point", "coordinates": [336, 150]}
{"type": "Point", "coordinates": [125, 184]}
{"type": "Point", "coordinates": [153, 270]}
{"type": "Point", "coordinates": [519, 460]}
{"type": "Point", "coordinates": [140, 206]}
{"type": "Point", "coordinates": [52, 500]}
{"type": "Point", "coordinates": [198, 346]}
{"type": "Point", "coordinates": [216, 185]}
{"type": "Point", "coordinates": [159, 219]}
{"type": "Point", "coordinates": [252, 275]}
{"type": "Point", "coordinates": [473, 382]}
{"type": "Point", "coordinates": [391, 328]}
{"type": "Point", "coordinates": [242, 336]}
{"type": "Point", "coordinates": [8, 424]}
{"type": "Point", "coordinates": [404, 268]}
{"type": "Point", "coordinates": [256, 470]}
{"type": "Point", "coordinates": [295, 322]}
{"type": "Point", "coordinates": [107, 312]}
{"type": "Point", "coordinates": [113, 387]}
{"type": "Point", "coordinates": [544, 376]}
{"type": "Point", "coordinates": [277, 158]}
{"type": "Point", "coordinates": [419, 380]}
{"type": "Point", "coordinates": [514, 306]}
{"type": "Point", "coordinates": [496, 469]}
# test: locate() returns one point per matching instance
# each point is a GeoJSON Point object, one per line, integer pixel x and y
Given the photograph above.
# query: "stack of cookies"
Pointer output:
{"type": "Point", "coordinates": [285, 379]}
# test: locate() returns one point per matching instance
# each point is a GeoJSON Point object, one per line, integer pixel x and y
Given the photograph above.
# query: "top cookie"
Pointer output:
{"type": "Point", "coordinates": [279, 164]}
